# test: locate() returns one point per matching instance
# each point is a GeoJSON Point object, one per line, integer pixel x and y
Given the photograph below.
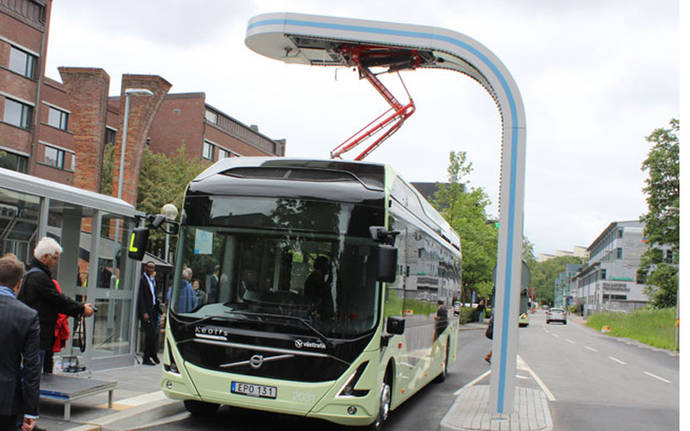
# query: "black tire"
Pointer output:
{"type": "Point", "coordinates": [200, 408]}
{"type": "Point", "coordinates": [384, 408]}
{"type": "Point", "coordinates": [565, 322]}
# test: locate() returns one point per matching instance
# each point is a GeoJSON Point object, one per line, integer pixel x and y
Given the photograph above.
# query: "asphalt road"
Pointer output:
{"type": "Point", "coordinates": [593, 382]}
{"type": "Point", "coordinates": [598, 382]}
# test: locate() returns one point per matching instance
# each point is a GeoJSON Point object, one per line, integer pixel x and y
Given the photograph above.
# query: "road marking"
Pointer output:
{"type": "Point", "coordinates": [521, 377]}
{"type": "Point", "coordinates": [617, 360]}
{"type": "Point", "coordinates": [656, 377]}
{"type": "Point", "coordinates": [523, 365]}
{"type": "Point", "coordinates": [569, 341]}
{"type": "Point", "coordinates": [591, 348]}
{"type": "Point", "coordinates": [472, 383]}
{"type": "Point", "coordinates": [556, 335]}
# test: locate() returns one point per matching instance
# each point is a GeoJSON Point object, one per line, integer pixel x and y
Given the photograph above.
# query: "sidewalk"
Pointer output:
{"type": "Point", "coordinates": [137, 400]}
{"type": "Point", "coordinates": [470, 411]}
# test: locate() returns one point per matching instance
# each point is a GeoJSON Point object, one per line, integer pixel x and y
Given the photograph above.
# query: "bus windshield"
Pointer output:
{"type": "Point", "coordinates": [324, 281]}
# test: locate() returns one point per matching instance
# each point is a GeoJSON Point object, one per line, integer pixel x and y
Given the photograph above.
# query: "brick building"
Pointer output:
{"type": "Point", "coordinates": [58, 130]}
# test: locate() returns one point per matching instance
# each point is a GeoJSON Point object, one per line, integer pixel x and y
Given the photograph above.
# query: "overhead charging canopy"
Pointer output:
{"type": "Point", "coordinates": [330, 41]}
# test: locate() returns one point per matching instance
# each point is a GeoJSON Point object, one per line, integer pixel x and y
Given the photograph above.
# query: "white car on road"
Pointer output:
{"type": "Point", "coordinates": [556, 315]}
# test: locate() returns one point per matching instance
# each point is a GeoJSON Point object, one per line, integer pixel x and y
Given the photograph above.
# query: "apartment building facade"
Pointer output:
{"type": "Point", "coordinates": [609, 279]}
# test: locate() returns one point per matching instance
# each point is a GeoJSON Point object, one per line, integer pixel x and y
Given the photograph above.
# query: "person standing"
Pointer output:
{"type": "Point", "coordinates": [441, 318]}
{"type": "Point", "coordinates": [480, 310]}
{"type": "Point", "coordinates": [317, 288]}
{"type": "Point", "coordinates": [19, 338]}
{"type": "Point", "coordinates": [148, 309]}
{"type": "Point", "coordinates": [39, 292]}
{"type": "Point", "coordinates": [186, 298]}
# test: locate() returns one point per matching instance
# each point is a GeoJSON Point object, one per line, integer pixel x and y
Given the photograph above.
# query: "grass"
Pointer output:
{"type": "Point", "coordinates": [653, 327]}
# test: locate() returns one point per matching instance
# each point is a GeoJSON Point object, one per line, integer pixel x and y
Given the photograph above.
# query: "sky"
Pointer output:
{"type": "Point", "coordinates": [595, 77]}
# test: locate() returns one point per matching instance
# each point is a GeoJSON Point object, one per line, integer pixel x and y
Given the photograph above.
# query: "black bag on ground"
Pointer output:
{"type": "Point", "coordinates": [490, 329]}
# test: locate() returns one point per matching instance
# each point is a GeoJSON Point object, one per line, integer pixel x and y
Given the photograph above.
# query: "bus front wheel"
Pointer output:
{"type": "Point", "coordinates": [200, 408]}
{"type": "Point", "coordinates": [384, 408]}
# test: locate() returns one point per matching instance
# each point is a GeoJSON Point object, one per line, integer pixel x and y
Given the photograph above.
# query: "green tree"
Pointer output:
{"type": "Point", "coordinates": [163, 180]}
{"type": "Point", "coordinates": [662, 221]}
{"type": "Point", "coordinates": [465, 210]}
{"type": "Point", "coordinates": [545, 273]}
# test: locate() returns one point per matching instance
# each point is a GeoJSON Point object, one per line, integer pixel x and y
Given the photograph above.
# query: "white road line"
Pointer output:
{"type": "Point", "coordinates": [569, 341]}
{"type": "Point", "coordinates": [472, 383]}
{"type": "Point", "coordinates": [617, 360]}
{"type": "Point", "coordinates": [523, 365]}
{"type": "Point", "coordinates": [656, 377]}
{"type": "Point", "coordinates": [521, 377]}
{"type": "Point", "coordinates": [591, 348]}
{"type": "Point", "coordinates": [556, 335]}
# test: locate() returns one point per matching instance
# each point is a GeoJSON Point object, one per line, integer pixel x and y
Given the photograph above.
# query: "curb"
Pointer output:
{"type": "Point", "coordinates": [133, 417]}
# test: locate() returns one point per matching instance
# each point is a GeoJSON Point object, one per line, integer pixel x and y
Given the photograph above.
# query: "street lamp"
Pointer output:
{"type": "Point", "coordinates": [128, 91]}
{"type": "Point", "coordinates": [170, 212]}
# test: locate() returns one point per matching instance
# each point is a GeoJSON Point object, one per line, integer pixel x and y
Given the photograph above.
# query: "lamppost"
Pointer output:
{"type": "Point", "coordinates": [128, 92]}
{"type": "Point", "coordinates": [170, 212]}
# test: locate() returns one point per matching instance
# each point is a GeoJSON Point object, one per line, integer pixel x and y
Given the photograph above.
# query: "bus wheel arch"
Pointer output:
{"type": "Point", "coordinates": [444, 368]}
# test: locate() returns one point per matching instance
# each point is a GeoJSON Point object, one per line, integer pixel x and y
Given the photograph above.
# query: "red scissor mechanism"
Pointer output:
{"type": "Point", "coordinates": [363, 57]}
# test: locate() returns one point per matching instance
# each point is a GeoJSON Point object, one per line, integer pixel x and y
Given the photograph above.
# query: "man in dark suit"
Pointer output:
{"type": "Point", "coordinates": [148, 310]}
{"type": "Point", "coordinates": [19, 339]}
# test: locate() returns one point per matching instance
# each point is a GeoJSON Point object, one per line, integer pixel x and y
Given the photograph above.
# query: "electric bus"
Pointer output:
{"type": "Point", "coordinates": [321, 291]}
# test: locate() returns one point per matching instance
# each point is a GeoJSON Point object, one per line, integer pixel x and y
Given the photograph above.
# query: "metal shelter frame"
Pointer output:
{"type": "Point", "coordinates": [21, 193]}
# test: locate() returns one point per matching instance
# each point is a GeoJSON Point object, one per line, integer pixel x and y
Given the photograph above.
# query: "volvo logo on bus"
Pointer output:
{"type": "Point", "coordinates": [310, 344]}
{"type": "Point", "coordinates": [256, 361]}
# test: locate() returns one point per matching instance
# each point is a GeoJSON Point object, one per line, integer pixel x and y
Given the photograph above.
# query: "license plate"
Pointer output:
{"type": "Point", "coordinates": [259, 391]}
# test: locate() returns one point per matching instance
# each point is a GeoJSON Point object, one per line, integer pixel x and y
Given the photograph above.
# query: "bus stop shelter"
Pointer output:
{"type": "Point", "coordinates": [93, 267]}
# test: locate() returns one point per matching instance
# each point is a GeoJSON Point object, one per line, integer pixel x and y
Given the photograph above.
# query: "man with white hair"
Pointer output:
{"type": "Point", "coordinates": [39, 292]}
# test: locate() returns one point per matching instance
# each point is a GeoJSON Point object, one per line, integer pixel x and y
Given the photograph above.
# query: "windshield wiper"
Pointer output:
{"type": "Point", "coordinates": [304, 322]}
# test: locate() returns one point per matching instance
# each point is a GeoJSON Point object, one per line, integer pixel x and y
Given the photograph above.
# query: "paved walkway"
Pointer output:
{"type": "Point", "coordinates": [471, 412]}
{"type": "Point", "coordinates": [137, 400]}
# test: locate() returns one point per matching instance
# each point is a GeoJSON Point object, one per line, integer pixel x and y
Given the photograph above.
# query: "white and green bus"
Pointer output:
{"type": "Point", "coordinates": [318, 290]}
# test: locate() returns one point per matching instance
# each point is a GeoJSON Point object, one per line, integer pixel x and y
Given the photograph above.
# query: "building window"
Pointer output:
{"type": "Point", "coordinates": [619, 253]}
{"type": "Point", "coordinates": [223, 154]}
{"type": "Point", "coordinates": [22, 62]}
{"type": "Point", "coordinates": [620, 233]}
{"type": "Point", "coordinates": [12, 161]}
{"type": "Point", "coordinates": [211, 116]}
{"type": "Point", "coordinates": [603, 274]}
{"type": "Point", "coordinates": [109, 136]}
{"type": "Point", "coordinates": [54, 157]}
{"type": "Point", "coordinates": [57, 118]}
{"type": "Point", "coordinates": [208, 151]}
{"type": "Point", "coordinates": [17, 113]}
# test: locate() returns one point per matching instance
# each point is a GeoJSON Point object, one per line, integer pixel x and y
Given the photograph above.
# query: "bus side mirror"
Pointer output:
{"type": "Point", "coordinates": [386, 263]}
{"type": "Point", "coordinates": [395, 325]}
{"type": "Point", "coordinates": [137, 243]}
